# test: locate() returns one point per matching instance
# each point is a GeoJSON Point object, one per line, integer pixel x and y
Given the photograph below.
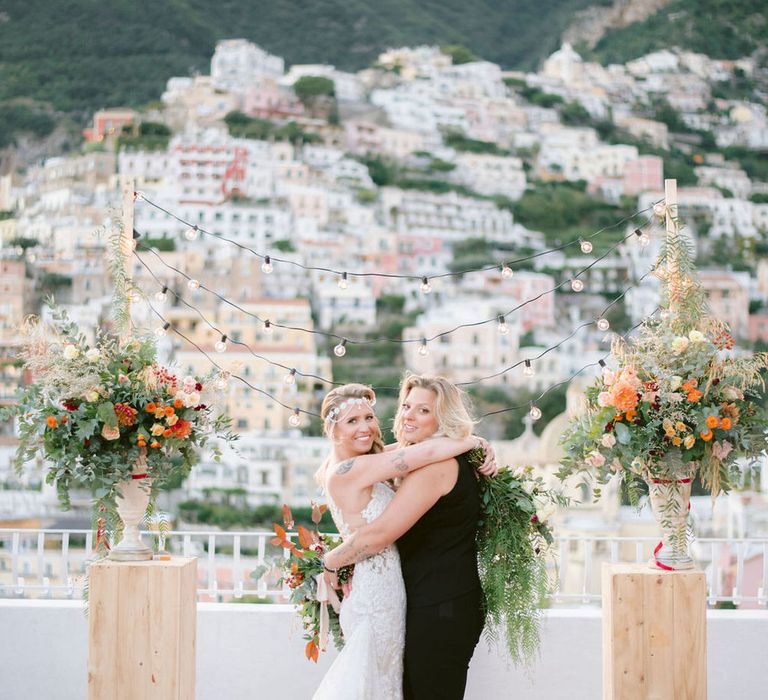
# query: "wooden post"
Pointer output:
{"type": "Point", "coordinates": [654, 634]}
{"type": "Point", "coordinates": [141, 630]}
{"type": "Point", "coordinates": [670, 202]}
{"type": "Point", "coordinates": [126, 246]}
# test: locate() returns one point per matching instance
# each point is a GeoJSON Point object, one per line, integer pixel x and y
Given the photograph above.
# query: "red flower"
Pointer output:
{"type": "Point", "coordinates": [198, 386]}
{"type": "Point", "coordinates": [70, 405]}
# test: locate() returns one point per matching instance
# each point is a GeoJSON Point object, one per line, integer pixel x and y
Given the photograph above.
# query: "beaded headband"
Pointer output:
{"type": "Point", "coordinates": [335, 413]}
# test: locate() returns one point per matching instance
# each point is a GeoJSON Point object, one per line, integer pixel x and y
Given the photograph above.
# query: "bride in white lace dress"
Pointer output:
{"type": "Point", "coordinates": [370, 667]}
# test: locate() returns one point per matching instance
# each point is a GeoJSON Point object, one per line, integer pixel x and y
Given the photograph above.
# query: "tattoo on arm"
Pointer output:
{"type": "Point", "coordinates": [348, 553]}
{"type": "Point", "coordinates": [345, 466]}
{"type": "Point", "coordinates": [398, 459]}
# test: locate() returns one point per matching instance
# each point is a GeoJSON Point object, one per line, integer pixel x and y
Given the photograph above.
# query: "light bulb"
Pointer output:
{"type": "Point", "coordinates": [290, 378]}
{"type": "Point", "coordinates": [222, 381]}
{"type": "Point", "coordinates": [423, 349]}
{"type": "Point", "coordinates": [266, 266]}
{"type": "Point", "coordinates": [503, 328]}
{"type": "Point", "coordinates": [295, 418]}
{"type": "Point", "coordinates": [161, 297]}
{"type": "Point", "coordinates": [645, 239]}
{"type": "Point", "coordinates": [535, 412]}
{"type": "Point", "coordinates": [221, 345]}
{"type": "Point", "coordinates": [426, 287]}
{"type": "Point", "coordinates": [193, 284]}
{"type": "Point", "coordinates": [135, 297]}
{"type": "Point", "coordinates": [577, 285]}
{"type": "Point", "coordinates": [268, 327]}
{"type": "Point", "coordinates": [603, 324]}
{"type": "Point", "coordinates": [343, 282]}
{"type": "Point", "coordinates": [341, 349]}
{"type": "Point", "coordinates": [586, 246]}
{"type": "Point", "coordinates": [162, 330]}
{"type": "Point", "coordinates": [506, 271]}
{"type": "Point", "coordinates": [660, 209]}
{"type": "Point", "coordinates": [191, 233]}
{"type": "Point", "coordinates": [664, 314]}
{"type": "Point", "coordinates": [528, 370]}
{"type": "Point", "coordinates": [138, 196]}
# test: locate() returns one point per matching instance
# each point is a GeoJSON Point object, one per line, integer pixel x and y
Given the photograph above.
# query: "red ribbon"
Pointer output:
{"type": "Point", "coordinates": [100, 523]}
{"type": "Point", "coordinates": [660, 544]}
{"type": "Point", "coordinates": [139, 476]}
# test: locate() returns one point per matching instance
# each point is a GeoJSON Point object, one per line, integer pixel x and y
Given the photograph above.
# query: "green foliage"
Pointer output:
{"type": "Point", "coordinates": [242, 126]}
{"type": "Point", "coordinates": [164, 244]}
{"type": "Point", "coordinates": [21, 118]}
{"type": "Point", "coordinates": [540, 98]}
{"type": "Point", "coordinates": [226, 515]}
{"type": "Point", "coordinates": [390, 304]}
{"type": "Point", "coordinates": [759, 197]}
{"type": "Point", "coordinates": [284, 246]}
{"type": "Point", "coordinates": [754, 163]}
{"type": "Point", "coordinates": [463, 143]}
{"type": "Point", "coordinates": [23, 242]}
{"type": "Point", "coordinates": [720, 28]}
{"type": "Point", "coordinates": [573, 114]}
{"type": "Point", "coordinates": [308, 87]}
{"type": "Point", "coordinates": [459, 54]}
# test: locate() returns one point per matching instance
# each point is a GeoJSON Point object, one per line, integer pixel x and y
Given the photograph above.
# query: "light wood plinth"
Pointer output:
{"type": "Point", "coordinates": [654, 634]}
{"type": "Point", "coordinates": [141, 630]}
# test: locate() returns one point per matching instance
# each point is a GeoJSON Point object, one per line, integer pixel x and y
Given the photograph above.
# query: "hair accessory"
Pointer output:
{"type": "Point", "coordinates": [336, 411]}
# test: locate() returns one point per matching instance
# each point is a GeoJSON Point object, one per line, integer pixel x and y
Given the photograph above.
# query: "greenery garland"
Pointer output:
{"type": "Point", "coordinates": [513, 542]}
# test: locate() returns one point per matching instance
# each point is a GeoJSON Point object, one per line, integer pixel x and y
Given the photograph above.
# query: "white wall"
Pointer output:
{"type": "Point", "coordinates": [250, 652]}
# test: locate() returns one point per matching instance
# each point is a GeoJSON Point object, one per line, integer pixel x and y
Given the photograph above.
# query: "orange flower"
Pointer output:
{"type": "Point", "coordinates": [618, 417]}
{"type": "Point", "coordinates": [154, 444]}
{"type": "Point", "coordinates": [631, 415]}
{"type": "Point", "coordinates": [726, 424]}
{"type": "Point", "coordinates": [690, 385]}
{"type": "Point", "coordinates": [160, 412]}
{"type": "Point", "coordinates": [182, 429]}
{"type": "Point", "coordinates": [706, 435]}
{"type": "Point", "coordinates": [63, 420]}
{"type": "Point", "coordinates": [169, 411]}
{"type": "Point", "coordinates": [151, 408]}
{"type": "Point", "coordinates": [178, 403]}
{"type": "Point", "coordinates": [694, 396]}
{"type": "Point", "coordinates": [624, 396]}
{"type": "Point", "coordinates": [167, 433]}
{"type": "Point", "coordinates": [51, 420]}
{"type": "Point", "coordinates": [676, 441]}
{"type": "Point", "coordinates": [712, 421]}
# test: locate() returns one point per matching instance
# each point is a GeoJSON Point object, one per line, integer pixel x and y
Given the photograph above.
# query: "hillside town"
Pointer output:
{"type": "Point", "coordinates": [284, 213]}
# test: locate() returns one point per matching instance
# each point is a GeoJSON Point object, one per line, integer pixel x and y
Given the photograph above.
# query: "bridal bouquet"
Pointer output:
{"type": "Point", "coordinates": [512, 542]}
{"type": "Point", "coordinates": [93, 411]}
{"type": "Point", "coordinates": [302, 573]}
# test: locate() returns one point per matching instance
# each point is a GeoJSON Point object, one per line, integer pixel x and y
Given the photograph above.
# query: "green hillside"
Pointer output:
{"type": "Point", "coordinates": [87, 54]}
{"type": "Point", "coordinates": [719, 28]}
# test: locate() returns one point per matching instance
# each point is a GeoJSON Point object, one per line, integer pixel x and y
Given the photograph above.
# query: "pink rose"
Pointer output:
{"type": "Point", "coordinates": [609, 376]}
{"type": "Point", "coordinates": [595, 459]}
{"type": "Point", "coordinates": [110, 433]}
{"type": "Point", "coordinates": [604, 399]}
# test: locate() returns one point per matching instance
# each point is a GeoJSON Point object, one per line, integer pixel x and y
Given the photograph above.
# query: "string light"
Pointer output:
{"type": "Point", "coordinates": [643, 237]}
{"type": "Point", "coordinates": [343, 282]}
{"type": "Point", "coordinates": [295, 419]}
{"type": "Point", "coordinates": [586, 246]}
{"type": "Point", "coordinates": [577, 285]}
{"type": "Point", "coordinates": [506, 271]}
{"type": "Point", "coordinates": [222, 381]}
{"type": "Point", "coordinates": [162, 296]}
{"type": "Point", "coordinates": [290, 378]}
{"type": "Point", "coordinates": [341, 349]}
{"type": "Point", "coordinates": [423, 349]}
{"type": "Point", "coordinates": [603, 324]}
{"type": "Point", "coordinates": [193, 284]}
{"type": "Point", "coordinates": [664, 314]}
{"type": "Point", "coordinates": [528, 370]}
{"type": "Point", "coordinates": [535, 412]}
{"type": "Point", "coordinates": [135, 297]}
{"type": "Point", "coordinates": [221, 345]}
{"type": "Point", "coordinates": [162, 330]}
{"type": "Point", "coordinates": [268, 327]}
{"type": "Point", "coordinates": [601, 362]}
{"type": "Point", "coordinates": [266, 266]}
{"type": "Point", "coordinates": [191, 233]}
{"type": "Point", "coordinates": [503, 328]}
{"type": "Point", "coordinates": [426, 287]}
{"type": "Point", "coordinates": [138, 196]}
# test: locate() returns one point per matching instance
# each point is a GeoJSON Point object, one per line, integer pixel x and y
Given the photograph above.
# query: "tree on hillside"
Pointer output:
{"type": "Point", "coordinates": [459, 54]}
{"type": "Point", "coordinates": [310, 87]}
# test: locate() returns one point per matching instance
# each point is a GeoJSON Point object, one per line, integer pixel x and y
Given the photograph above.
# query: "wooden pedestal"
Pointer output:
{"type": "Point", "coordinates": [654, 634]}
{"type": "Point", "coordinates": [141, 630]}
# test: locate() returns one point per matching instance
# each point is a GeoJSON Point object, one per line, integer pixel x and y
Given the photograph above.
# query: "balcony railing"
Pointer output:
{"type": "Point", "coordinates": [52, 564]}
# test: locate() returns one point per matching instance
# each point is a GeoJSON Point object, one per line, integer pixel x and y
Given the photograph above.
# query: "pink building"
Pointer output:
{"type": "Point", "coordinates": [758, 327]}
{"type": "Point", "coordinates": [643, 174]}
{"type": "Point", "coordinates": [267, 100]}
{"type": "Point", "coordinates": [108, 122]}
{"type": "Point", "coordinates": [728, 294]}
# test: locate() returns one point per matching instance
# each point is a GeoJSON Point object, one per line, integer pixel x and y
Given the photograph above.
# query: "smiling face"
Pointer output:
{"type": "Point", "coordinates": [355, 431]}
{"type": "Point", "coordinates": [417, 416]}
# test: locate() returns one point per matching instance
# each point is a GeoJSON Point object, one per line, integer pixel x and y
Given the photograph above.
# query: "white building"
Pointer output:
{"type": "Point", "coordinates": [489, 175]}
{"type": "Point", "coordinates": [237, 63]}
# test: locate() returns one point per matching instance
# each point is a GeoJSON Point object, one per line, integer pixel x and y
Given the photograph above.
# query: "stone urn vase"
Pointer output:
{"type": "Point", "coordinates": [669, 490]}
{"type": "Point", "coordinates": [132, 502]}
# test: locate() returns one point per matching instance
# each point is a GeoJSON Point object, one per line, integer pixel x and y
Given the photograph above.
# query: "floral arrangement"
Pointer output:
{"type": "Point", "coordinates": [94, 411]}
{"type": "Point", "coordinates": [513, 542]}
{"type": "Point", "coordinates": [679, 403]}
{"type": "Point", "coordinates": [300, 573]}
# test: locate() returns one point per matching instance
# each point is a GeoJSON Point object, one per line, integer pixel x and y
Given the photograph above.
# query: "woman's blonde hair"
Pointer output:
{"type": "Point", "coordinates": [452, 406]}
{"type": "Point", "coordinates": [334, 405]}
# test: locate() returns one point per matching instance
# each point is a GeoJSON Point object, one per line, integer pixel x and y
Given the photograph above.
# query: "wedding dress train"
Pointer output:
{"type": "Point", "coordinates": [370, 666]}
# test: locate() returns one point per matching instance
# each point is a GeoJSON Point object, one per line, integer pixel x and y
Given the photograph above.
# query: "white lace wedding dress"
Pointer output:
{"type": "Point", "coordinates": [370, 666]}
